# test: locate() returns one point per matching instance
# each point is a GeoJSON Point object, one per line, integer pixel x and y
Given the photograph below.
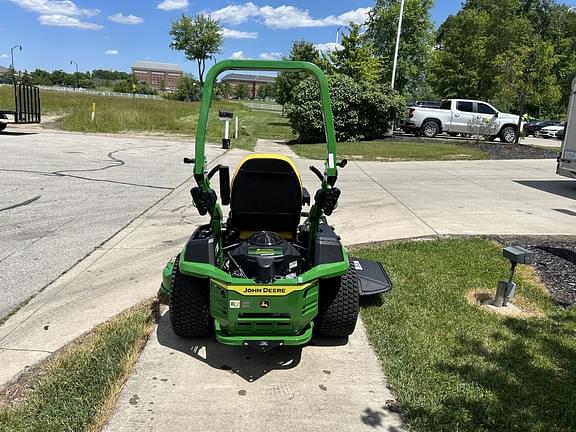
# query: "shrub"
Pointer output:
{"type": "Point", "coordinates": [360, 112]}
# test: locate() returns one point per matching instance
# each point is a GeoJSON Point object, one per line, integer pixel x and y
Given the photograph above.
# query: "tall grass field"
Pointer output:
{"type": "Point", "coordinates": [122, 114]}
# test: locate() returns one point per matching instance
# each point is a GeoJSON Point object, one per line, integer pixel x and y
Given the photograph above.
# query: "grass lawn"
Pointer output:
{"type": "Point", "coordinates": [391, 151]}
{"type": "Point", "coordinates": [120, 114]}
{"type": "Point", "coordinates": [77, 387]}
{"type": "Point", "coordinates": [456, 367]}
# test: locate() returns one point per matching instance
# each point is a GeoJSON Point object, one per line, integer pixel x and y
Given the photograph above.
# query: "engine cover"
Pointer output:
{"type": "Point", "coordinates": [266, 256]}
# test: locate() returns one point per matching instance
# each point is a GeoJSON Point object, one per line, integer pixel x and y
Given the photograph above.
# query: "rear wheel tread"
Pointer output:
{"type": "Point", "coordinates": [189, 304]}
{"type": "Point", "coordinates": [339, 305]}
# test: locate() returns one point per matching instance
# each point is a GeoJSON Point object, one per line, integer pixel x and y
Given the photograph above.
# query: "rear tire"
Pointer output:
{"type": "Point", "coordinates": [430, 129]}
{"type": "Point", "coordinates": [2, 126]}
{"type": "Point", "coordinates": [189, 304]}
{"type": "Point", "coordinates": [339, 305]}
{"type": "Point", "coordinates": [508, 134]}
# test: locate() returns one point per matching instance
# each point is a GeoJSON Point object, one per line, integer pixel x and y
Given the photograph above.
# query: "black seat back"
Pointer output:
{"type": "Point", "coordinates": [266, 195]}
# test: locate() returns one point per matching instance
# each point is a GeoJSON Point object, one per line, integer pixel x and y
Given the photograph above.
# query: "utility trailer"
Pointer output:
{"type": "Point", "coordinates": [567, 158]}
{"type": "Point", "coordinates": [26, 107]}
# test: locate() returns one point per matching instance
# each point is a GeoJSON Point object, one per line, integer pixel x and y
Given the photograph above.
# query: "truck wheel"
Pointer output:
{"type": "Point", "coordinates": [430, 129]}
{"type": "Point", "coordinates": [339, 305]}
{"type": "Point", "coordinates": [508, 134]}
{"type": "Point", "coordinates": [189, 304]}
{"type": "Point", "coordinates": [2, 126]}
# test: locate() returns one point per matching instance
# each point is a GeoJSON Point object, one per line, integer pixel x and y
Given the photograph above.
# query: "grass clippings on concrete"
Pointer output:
{"type": "Point", "coordinates": [76, 388]}
{"type": "Point", "coordinates": [391, 151]}
{"type": "Point", "coordinates": [456, 367]}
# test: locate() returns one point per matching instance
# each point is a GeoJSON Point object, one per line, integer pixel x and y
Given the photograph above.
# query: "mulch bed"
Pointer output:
{"type": "Point", "coordinates": [495, 150]}
{"type": "Point", "coordinates": [501, 151]}
{"type": "Point", "coordinates": [555, 262]}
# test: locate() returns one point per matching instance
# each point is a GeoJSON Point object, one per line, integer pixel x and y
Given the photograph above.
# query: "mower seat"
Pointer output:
{"type": "Point", "coordinates": [266, 195]}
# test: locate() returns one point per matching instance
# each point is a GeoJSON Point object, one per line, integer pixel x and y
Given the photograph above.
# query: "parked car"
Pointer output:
{"type": "Point", "coordinates": [549, 131]}
{"type": "Point", "coordinates": [461, 116]}
{"type": "Point", "coordinates": [532, 127]}
{"type": "Point", "coordinates": [425, 104]}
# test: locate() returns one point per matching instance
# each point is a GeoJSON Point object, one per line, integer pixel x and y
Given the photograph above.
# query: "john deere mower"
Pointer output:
{"type": "Point", "coordinates": [269, 274]}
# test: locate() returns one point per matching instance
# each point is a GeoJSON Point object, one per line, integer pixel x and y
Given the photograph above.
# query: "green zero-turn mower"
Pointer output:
{"type": "Point", "coordinates": [264, 277]}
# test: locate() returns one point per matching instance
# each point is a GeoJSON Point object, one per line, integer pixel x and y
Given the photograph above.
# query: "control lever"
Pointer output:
{"type": "Point", "coordinates": [189, 160]}
{"type": "Point", "coordinates": [317, 172]}
{"type": "Point", "coordinates": [214, 171]}
{"type": "Point", "coordinates": [342, 163]}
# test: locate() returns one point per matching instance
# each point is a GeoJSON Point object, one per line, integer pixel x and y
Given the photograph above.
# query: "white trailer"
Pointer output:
{"type": "Point", "coordinates": [567, 159]}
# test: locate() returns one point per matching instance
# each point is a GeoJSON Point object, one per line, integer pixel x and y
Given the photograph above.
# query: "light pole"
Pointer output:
{"type": "Point", "coordinates": [397, 43]}
{"type": "Point", "coordinates": [76, 63]}
{"type": "Point", "coordinates": [12, 60]}
{"type": "Point", "coordinates": [338, 33]}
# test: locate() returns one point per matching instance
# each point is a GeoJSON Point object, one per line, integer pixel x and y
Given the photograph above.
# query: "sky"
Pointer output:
{"type": "Point", "coordinates": [113, 34]}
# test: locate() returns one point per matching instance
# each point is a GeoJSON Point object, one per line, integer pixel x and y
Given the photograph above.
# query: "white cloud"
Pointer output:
{"type": "Point", "coordinates": [55, 7]}
{"type": "Point", "coordinates": [328, 47]}
{"type": "Point", "coordinates": [237, 34]}
{"type": "Point", "coordinates": [168, 5]}
{"type": "Point", "coordinates": [237, 55]}
{"type": "Point", "coordinates": [126, 19]}
{"type": "Point", "coordinates": [112, 52]}
{"type": "Point", "coordinates": [285, 17]}
{"type": "Point", "coordinates": [270, 56]}
{"type": "Point", "coordinates": [66, 21]}
{"type": "Point", "coordinates": [4, 56]}
{"type": "Point", "coordinates": [237, 14]}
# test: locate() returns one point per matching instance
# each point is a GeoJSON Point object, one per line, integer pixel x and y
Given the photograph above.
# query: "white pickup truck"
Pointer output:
{"type": "Point", "coordinates": [461, 116]}
{"type": "Point", "coordinates": [567, 159]}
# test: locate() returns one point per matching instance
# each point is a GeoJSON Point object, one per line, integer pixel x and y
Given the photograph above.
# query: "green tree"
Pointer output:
{"type": "Point", "coordinates": [241, 91]}
{"type": "Point", "coordinates": [360, 112]}
{"type": "Point", "coordinates": [416, 42]}
{"type": "Point", "coordinates": [41, 77]}
{"type": "Point", "coordinates": [357, 58]}
{"type": "Point", "coordinates": [526, 79]}
{"type": "Point", "coordinates": [200, 39]}
{"type": "Point", "coordinates": [510, 51]}
{"type": "Point", "coordinates": [287, 81]}
{"type": "Point", "coordinates": [188, 89]}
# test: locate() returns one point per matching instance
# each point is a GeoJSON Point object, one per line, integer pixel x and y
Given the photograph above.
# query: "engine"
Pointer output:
{"type": "Point", "coordinates": [265, 256]}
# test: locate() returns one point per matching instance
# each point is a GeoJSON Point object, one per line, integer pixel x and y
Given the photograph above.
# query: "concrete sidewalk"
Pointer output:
{"type": "Point", "coordinates": [120, 273]}
{"type": "Point", "coordinates": [202, 386]}
{"type": "Point", "coordinates": [277, 147]}
{"type": "Point", "coordinates": [380, 201]}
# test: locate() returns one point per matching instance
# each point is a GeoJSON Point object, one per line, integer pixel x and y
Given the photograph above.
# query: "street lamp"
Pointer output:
{"type": "Point", "coordinates": [76, 63]}
{"type": "Point", "coordinates": [338, 33]}
{"type": "Point", "coordinates": [12, 59]}
{"type": "Point", "coordinates": [397, 43]}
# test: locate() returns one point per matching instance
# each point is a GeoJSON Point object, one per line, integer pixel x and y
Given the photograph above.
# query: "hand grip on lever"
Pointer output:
{"type": "Point", "coordinates": [317, 172]}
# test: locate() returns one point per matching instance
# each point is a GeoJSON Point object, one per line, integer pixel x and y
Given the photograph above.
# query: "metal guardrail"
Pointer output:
{"type": "Point", "coordinates": [95, 92]}
{"type": "Point", "coordinates": [100, 93]}
{"type": "Point", "coordinates": [263, 106]}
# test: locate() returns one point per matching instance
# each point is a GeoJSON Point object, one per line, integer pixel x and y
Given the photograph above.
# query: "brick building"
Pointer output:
{"type": "Point", "coordinates": [254, 82]}
{"type": "Point", "coordinates": [160, 76]}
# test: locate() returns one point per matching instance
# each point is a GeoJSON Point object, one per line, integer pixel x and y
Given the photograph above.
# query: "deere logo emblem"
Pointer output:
{"type": "Point", "coordinates": [264, 304]}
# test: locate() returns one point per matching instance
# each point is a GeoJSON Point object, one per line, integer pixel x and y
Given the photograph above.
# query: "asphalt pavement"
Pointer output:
{"type": "Point", "coordinates": [64, 194]}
